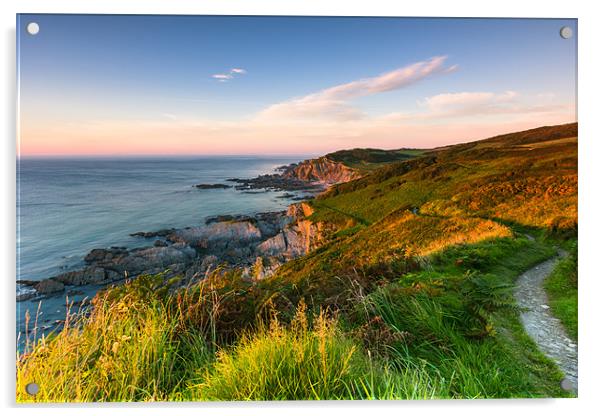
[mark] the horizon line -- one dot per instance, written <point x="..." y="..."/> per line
<point x="158" y="155"/>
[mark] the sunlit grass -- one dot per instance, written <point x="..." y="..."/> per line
<point x="128" y="349"/>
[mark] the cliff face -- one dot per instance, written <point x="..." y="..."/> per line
<point x="321" y="170"/>
<point x="297" y="238"/>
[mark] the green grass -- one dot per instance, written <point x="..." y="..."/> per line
<point x="279" y="363"/>
<point x="532" y="184"/>
<point x="460" y="321"/>
<point x="366" y="160"/>
<point x="131" y="348"/>
<point x="561" y="287"/>
<point x="316" y="362"/>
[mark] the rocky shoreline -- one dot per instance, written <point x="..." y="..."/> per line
<point x="312" y="175"/>
<point x="258" y="244"/>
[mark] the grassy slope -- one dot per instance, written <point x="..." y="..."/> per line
<point x="367" y="160"/>
<point x="408" y="298"/>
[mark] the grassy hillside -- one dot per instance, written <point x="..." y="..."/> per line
<point x="369" y="159"/>
<point x="410" y="295"/>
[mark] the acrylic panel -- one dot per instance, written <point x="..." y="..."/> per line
<point x="231" y="208"/>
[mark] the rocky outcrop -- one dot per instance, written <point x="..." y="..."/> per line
<point x="104" y="266"/>
<point x="321" y="170"/>
<point x="297" y="238"/>
<point x="49" y="286"/>
<point x="256" y="244"/>
<point x="218" y="235"/>
<point x="212" y="186"/>
<point x="276" y="182"/>
<point x="88" y="276"/>
<point x="299" y="211"/>
<point x="312" y="175"/>
<point x="119" y="264"/>
<point x="151" y="234"/>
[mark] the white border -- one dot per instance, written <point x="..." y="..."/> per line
<point x="589" y="197"/>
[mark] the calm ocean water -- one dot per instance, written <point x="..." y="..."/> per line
<point x="66" y="207"/>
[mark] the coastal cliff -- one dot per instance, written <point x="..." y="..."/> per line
<point x="321" y="170"/>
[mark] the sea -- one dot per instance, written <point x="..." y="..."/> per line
<point x="66" y="207"/>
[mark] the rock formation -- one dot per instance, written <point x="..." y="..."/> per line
<point x="321" y="170"/>
<point x="256" y="244"/>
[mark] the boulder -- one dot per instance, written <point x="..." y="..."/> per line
<point x="87" y="276"/>
<point x="48" y="286"/>
<point x="102" y="255"/>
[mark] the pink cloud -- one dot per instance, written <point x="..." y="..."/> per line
<point x="442" y="102"/>
<point x="334" y="103"/>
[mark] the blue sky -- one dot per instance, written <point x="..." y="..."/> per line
<point x="128" y="75"/>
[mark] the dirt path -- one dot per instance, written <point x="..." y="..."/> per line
<point x="546" y="330"/>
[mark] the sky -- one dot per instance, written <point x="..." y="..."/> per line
<point x="102" y="85"/>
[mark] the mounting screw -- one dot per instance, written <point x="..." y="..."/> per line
<point x="566" y="32"/>
<point x="32" y="389"/>
<point x="33" y="28"/>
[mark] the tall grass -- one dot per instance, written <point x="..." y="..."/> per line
<point x="460" y="326"/>
<point x="277" y="363"/>
<point x="308" y="361"/>
<point x="128" y="349"/>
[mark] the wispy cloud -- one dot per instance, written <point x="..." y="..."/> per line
<point x="224" y="77"/>
<point x="468" y="100"/>
<point x="221" y="77"/>
<point x="334" y="102"/>
<point x="470" y="104"/>
<point x="170" y="116"/>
